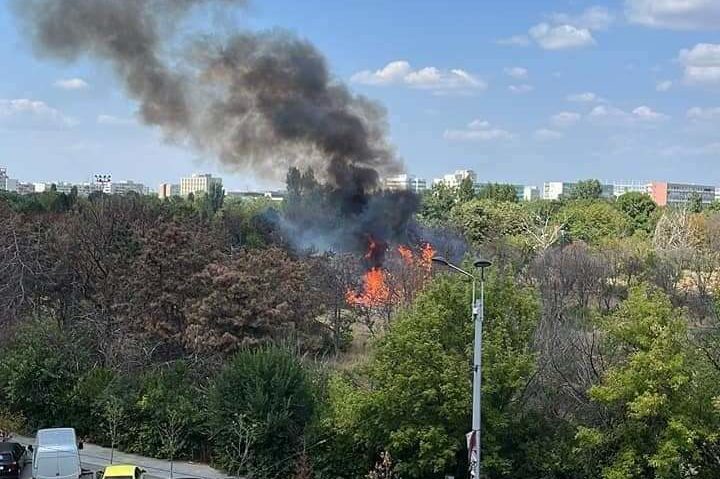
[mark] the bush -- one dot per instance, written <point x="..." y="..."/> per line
<point x="259" y="406"/>
<point x="38" y="370"/>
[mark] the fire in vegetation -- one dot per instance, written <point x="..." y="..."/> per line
<point x="384" y="283"/>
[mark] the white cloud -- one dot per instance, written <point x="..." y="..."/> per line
<point x="565" y="118"/>
<point x="586" y="97"/>
<point x="593" y="18"/>
<point x="477" y="135"/>
<point x="519" y="73"/>
<point x="611" y="112"/>
<point x="675" y="14"/>
<point x="616" y="116"/>
<point x="520" y="89"/>
<point x="664" y="85"/>
<point x="478" y="130"/>
<point x="391" y="73"/>
<point x="544" y="134"/>
<point x="702" y="64"/>
<point x="71" y="84"/>
<point x="645" y="113"/>
<point x="515" y="41"/>
<point x="479" y="124"/>
<point x="114" y="120"/>
<point x="561" y="37"/>
<point x="428" y="78"/>
<point x="703" y="114"/>
<point x="31" y="114"/>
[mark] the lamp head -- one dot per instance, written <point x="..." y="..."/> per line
<point x="482" y="263"/>
<point x="440" y="259"/>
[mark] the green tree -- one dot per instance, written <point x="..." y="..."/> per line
<point x="437" y="203"/>
<point x="640" y="208"/>
<point x="413" y="399"/>
<point x="38" y="370"/>
<point x="259" y="406"/>
<point x="480" y="220"/>
<point x="661" y="395"/>
<point x="498" y="192"/>
<point x="594" y="221"/>
<point x="466" y="190"/>
<point x="586" y="190"/>
<point x="694" y="202"/>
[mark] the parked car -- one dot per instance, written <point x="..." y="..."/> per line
<point x="12" y="459"/>
<point x="125" y="471"/>
<point x="56" y="454"/>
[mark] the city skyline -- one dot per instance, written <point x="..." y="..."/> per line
<point x="518" y="91"/>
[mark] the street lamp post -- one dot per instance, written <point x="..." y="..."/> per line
<point x="478" y="315"/>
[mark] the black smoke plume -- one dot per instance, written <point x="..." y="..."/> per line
<point x="263" y="102"/>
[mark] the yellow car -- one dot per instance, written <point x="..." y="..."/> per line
<point x="123" y="472"/>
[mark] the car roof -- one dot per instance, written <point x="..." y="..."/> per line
<point x="120" y="470"/>
<point x="8" y="446"/>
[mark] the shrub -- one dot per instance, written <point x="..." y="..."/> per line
<point x="259" y="406"/>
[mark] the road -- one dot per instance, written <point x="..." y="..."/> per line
<point x="95" y="458"/>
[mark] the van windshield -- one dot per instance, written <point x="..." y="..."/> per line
<point x="56" y="437"/>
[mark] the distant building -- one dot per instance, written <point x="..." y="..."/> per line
<point x="454" y="179"/>
<point x="129" y="186"/>
<point x="198" y="184"/>
<point x="405" y="182"/>
<point x="7" y="183"/>
<point x="675" y="194"/>
<point x="167" y="190"/>
<point x="25" y="188"/>
<point x="531" y="193"/>
<point x="554" y="190"/>
<point x="622" y="187"/>
<point x="278" y="195"/>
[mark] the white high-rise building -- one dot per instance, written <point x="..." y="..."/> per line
<point x="554" y="190"/>
<point x="198" y="183"/>
<point x="531" y="193"/>
<point x="454" y="179"/>
<point x="405" y="182"/>
<point x="166" y="190"/>
<point x="7" y="183"/>
<point x="622" y="187"/>
<point x="129" y="186"/>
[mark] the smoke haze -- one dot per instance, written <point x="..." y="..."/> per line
<point x="255" y="101"/>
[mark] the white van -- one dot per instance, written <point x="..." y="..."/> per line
<point x="56" y="454"/>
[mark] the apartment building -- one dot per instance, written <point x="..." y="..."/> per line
<point x="198" y="183"/>
<point x="405" y="182"/>
<point x="454" y="179"/>
<point x="674" y="194"/>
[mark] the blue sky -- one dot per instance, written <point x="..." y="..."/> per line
<point x="518" y="90"/>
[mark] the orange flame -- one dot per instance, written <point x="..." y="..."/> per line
<point x="406" y="254"/>
<point x="376" y="291"/>
<point x="427" y="252"/>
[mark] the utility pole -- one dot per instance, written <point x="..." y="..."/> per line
<point x="478" y="316"/>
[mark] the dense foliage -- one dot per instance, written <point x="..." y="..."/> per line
<point x="190" y="328"/>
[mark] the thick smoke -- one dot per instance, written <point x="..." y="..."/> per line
<point x="256" y="101"/>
